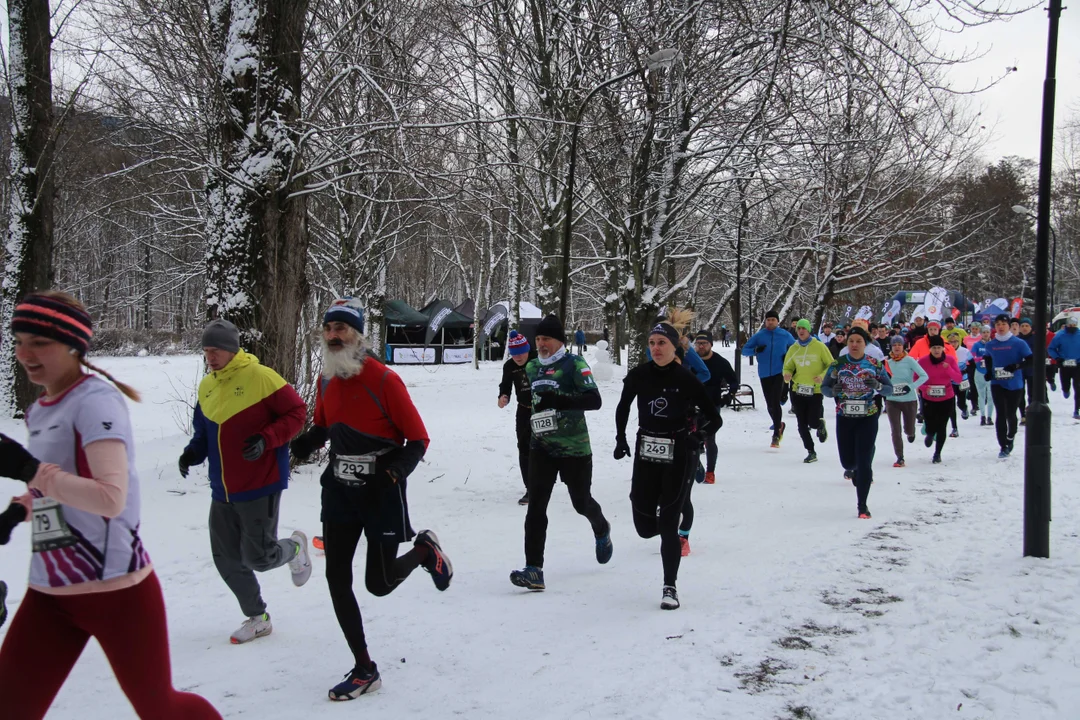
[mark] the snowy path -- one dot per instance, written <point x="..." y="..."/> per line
<point x="792" y="608"/>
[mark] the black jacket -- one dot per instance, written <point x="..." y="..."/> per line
<point x="513" y="376"/>
<point x="666" y="398"/>
<point x="721" y="377"/>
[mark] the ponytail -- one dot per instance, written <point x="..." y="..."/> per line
<point x="122" y="387"/>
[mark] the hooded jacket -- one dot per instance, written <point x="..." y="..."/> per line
<point x="243" y="399"/>
<point x="1065" y="345"/>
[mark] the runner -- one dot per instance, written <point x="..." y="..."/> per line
<point x="984" y="402"/>
<point x="1065" y="349"/>
<point x="963" y="361"/>
<point x="917" y="331"/>
<point x="1051" y="363"/>
<point x="770" y="344"/>
<point x="826" y="334"/>
<point x="1028" y="337"/>
<point x="664" y="462"/>
<point x="805" y="364"/>
<point x="90" y="575"/>
<point x="563" y="389"/>
<point x="513" y="376"/>
<point x="838" y="343"/>
<point x="854" y="381"/>
<point x="721" y="378"/>
<point x="1005" y="359"/>
<point x="244" y="418"/>
<point x="872" y="348"/>
<point x="939" y="399"/>
<point x="376" y="441"/>
<point x="907" y="377"/>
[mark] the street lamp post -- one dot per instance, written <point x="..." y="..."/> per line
<point x="1037" y="435"/>
<point x="1022" y="210"/>
<point x="653" y="61"/>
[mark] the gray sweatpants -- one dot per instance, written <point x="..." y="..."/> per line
<point x="901" y="413"/>
<point x="243" y="541"/>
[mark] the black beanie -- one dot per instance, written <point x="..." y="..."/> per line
<point x="861" y="333"/>
<point x="704" y="335"/>
<point x="772" y="314"/>
<point x="668" y="331"/>
<point x="937" y="341"/>
<point x="551" y="327"/>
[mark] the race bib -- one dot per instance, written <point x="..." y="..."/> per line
<point x="658" y="450"/>
<point x="935" y="391"/>
<point x="347" y="467"/>
<point x="1002" y="374"/>
<point x="544" y="422"/>
<point x="50" y="530"/>
<point x="901" y="389"/>
<point x="1069" y="363"/>
<point x="804" y="389"/>
<point x="854" y="408"/>
<point x="965" y="384"/>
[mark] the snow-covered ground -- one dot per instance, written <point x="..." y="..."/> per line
<point x="792" y="607"/>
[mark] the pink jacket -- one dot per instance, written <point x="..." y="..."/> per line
<point x="942" y="374"/>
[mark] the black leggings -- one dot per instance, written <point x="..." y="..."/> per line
<point x="687" y="522"/>
<point x="385" y="571"/>
<point x="576" y="473"/>
<point x="663" y="487"/>
<point x="1006" y="403"/>
<point x="1071" y="376"/>
<point x="808" y="412"/>
<point x="936" y="414"/>
<point x="772" y="389"/>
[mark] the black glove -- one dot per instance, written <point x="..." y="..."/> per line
<point x="15" y="461"/>
<point x="759" y="348"/>
<point x="187" y="459"/>
<point x="304" y="444"/>
<point x="873" y="383"/>
<point x="254" y="447"/>
<point x="622" y="448"/>
<point x="546" y="401"/>
<point x="9" y="519"/>
<point x="1012" y="367"/>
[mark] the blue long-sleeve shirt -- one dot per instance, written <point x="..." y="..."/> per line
<point x="1008" y="352"/>
<point x="1065" y="345"/>
<point x="775" y="344"/>
<point x="693" y="363"/>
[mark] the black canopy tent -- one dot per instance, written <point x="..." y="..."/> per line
<point x="453" y="339"/>
<point x="404" y="327"/>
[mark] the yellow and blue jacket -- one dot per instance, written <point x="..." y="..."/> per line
<point x="241" y="400"/>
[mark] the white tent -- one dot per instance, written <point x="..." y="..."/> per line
<point x="528" y="310"/>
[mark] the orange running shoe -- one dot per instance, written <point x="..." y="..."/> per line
<point x="710" y="478"/>
<point x="684" y="543"/>
<point x="318" y="542"/>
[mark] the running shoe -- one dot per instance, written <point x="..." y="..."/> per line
<point x="849" y="474"/>
<point x="671" y="598"/>
<point x="356" y="683"/>
<point x="710" y="478"/>
<point x="437" y="564"/>
<point x="899" y="462"/>
<point x="254" y="627"/>
<point x="911" y="438"/>
<point x="928" y="440"/>
<point x="783" y="426"/>
<point x="1053" y="386"/>
<point x="604" y="548"/>
<point x="1023" y="419"/>
<point x="684" y="545"/>
<point x="954" y="433"/>
<point x="1065" y="392"/>
<point x="530" y="578"/>
<point x="3" y="602"/>
<point x="1004" y="453"/>
<point x="918" y="418"/>
<point x="963" y="414"/>
<point x="936" y="459"/>
<point x="822" y="432"/>
<point x="524" y="499"/>
<point x="1076" y="415"/>
<point x="811" y="458"/>
<point x="775" y="441"/>
<point x="864" y="512"/>
<point x="300" y="565"/>
<point x="317" y="543"/>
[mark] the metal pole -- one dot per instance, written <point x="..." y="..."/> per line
<point x="1037" y="435"/>
<point x="737" y="320"/>
<point x="1053" y="278"/>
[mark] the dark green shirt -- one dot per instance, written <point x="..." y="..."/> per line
<point x="569" y="376"/>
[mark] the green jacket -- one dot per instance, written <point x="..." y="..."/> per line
<point x="806" y="362"/>
<point x="571" y="378"/>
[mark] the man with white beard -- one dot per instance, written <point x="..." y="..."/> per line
<point x="376" y="440"/>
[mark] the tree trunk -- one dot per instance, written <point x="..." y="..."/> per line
<point x="29" y="247"/>
<point x="257" y="234"/>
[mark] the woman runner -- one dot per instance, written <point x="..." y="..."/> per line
<point x="982" y="381"/>
<point x="664" y="462"/>
<point x="89" y="575"/>
<point x="855" y="380"/>
<point x="939" y="401"/>
<point x="901" y="406"/>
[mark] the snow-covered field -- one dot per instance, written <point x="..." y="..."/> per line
<point x="792" y="607"/>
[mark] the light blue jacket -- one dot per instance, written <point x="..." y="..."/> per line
<point x="771" y="358"/>
<point x="906" y="372"/>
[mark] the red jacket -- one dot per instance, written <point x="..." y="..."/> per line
<point x="352" y="402"/>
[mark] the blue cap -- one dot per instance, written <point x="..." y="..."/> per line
<point x="348" y="310"/>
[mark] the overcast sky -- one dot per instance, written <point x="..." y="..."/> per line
<point x="1012" y="110"/>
